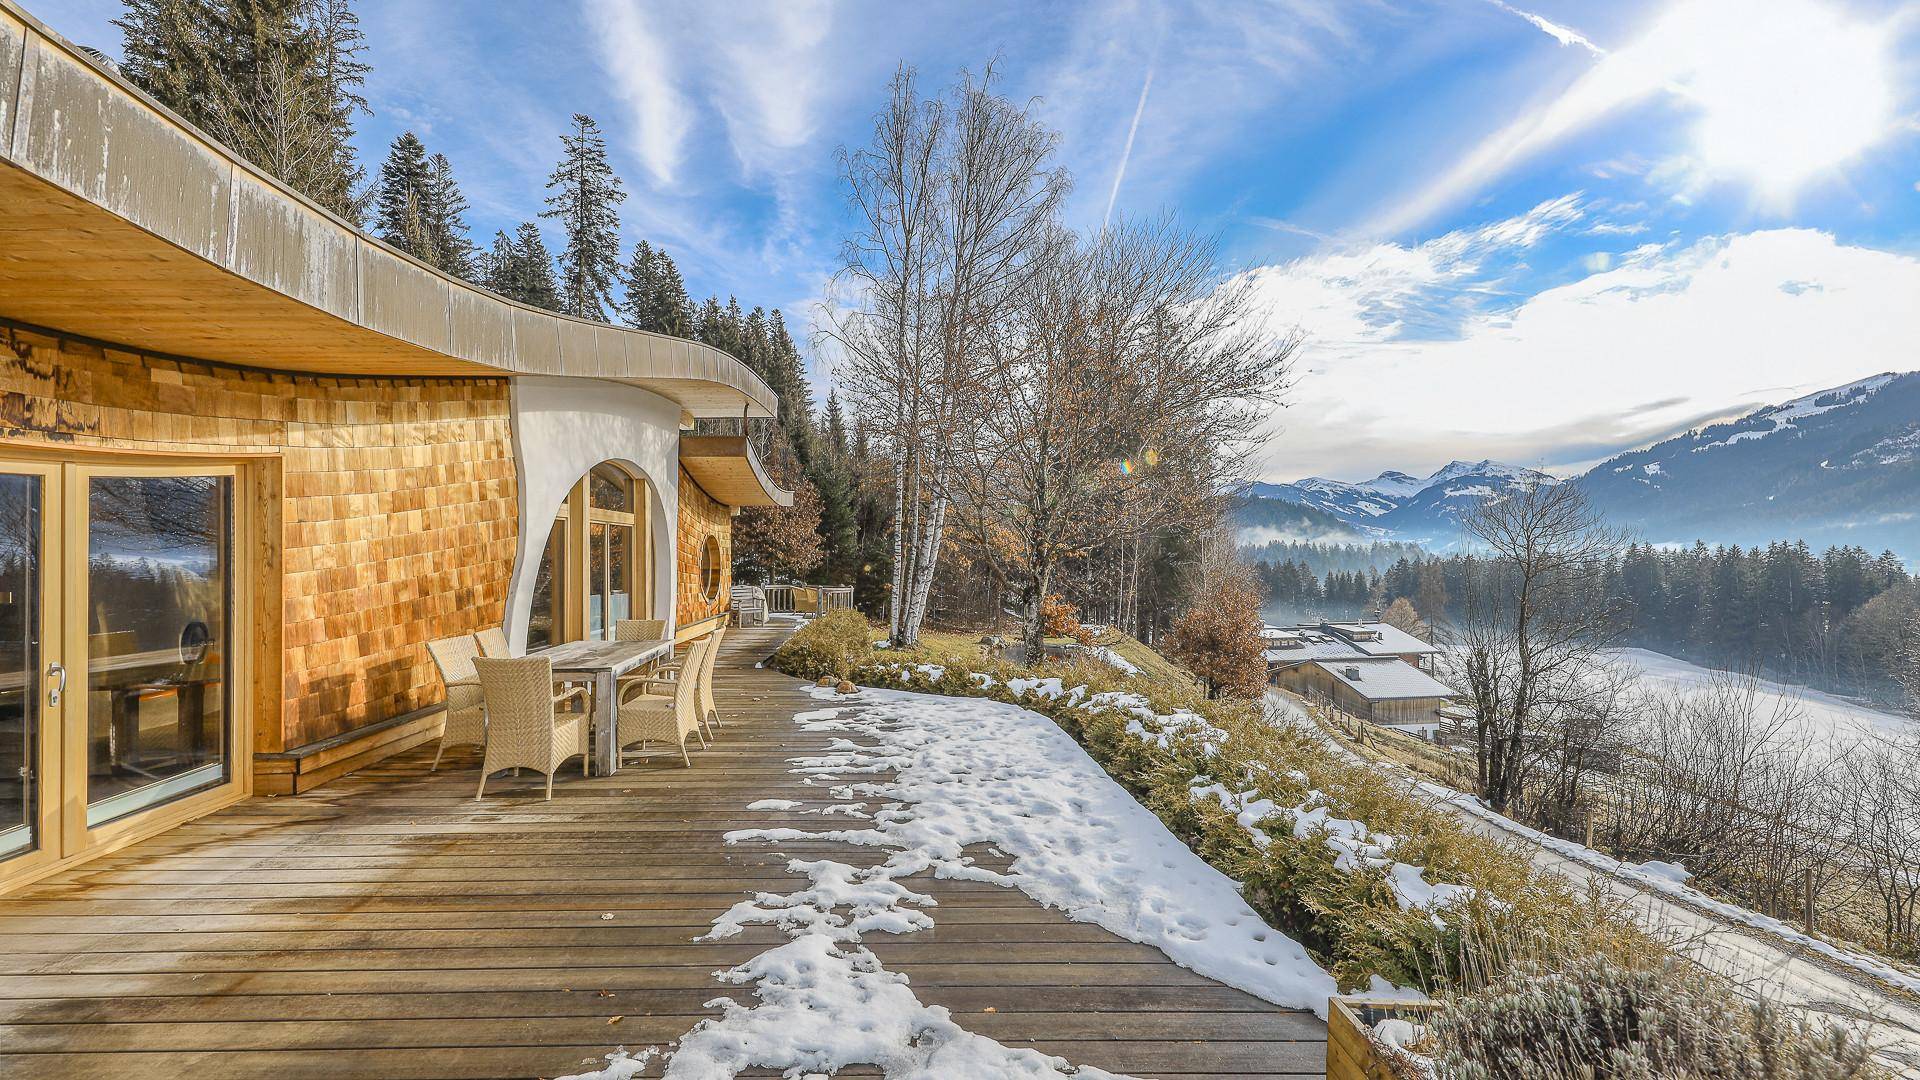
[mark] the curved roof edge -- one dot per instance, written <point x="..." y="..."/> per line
<point x="126" y="217"/>
<point x="728" y="468"/>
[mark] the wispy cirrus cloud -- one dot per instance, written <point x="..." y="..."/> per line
<point x="641" y="62"/>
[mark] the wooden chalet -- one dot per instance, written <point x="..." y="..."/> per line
<point x="253" y="459"/>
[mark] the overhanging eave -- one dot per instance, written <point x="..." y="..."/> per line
<point x="121" y="222"/>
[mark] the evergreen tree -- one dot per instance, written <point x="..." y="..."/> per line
<point x="400" y="214"/>
<point x="656" y="298"/>
<point x="834" y="479"/>
<point x="278" y="81"/>
<point x="519" y="268"/>
<point x="673" y="310"/>
<point x="710" y="327"/>
<point x="643" y="284"/>
<point x="446" y="220"/>
<point x="586" y="198"/>
<point x="534" y="282"/>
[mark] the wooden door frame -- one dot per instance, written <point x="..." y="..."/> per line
<point x="254" y="634"/>
<point x="49" y="738"/>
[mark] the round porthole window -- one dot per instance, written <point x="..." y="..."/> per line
<point x="710" y="568"/>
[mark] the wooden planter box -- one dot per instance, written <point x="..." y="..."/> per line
<point x="1351" y="1054"/>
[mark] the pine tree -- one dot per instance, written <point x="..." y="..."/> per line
<point x="400" y="198"/>
<point x="495" y="265"/>
<point x="642" y="278"/>
<point x="586" y="196"/>
<point x="533" y="270"/>
<point x="446" y="219"/>
<point x="519" y="268"/>
<point x="711" y="327"/>
<point x="835" y="481"/>
<point x="673" y="309"/>
<point x="278" y="81"/>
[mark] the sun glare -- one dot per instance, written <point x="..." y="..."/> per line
<point x="1786" y="89"/>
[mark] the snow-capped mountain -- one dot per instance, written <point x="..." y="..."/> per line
<point x="1841" y="466"/>
<point x="1395" y="505"/>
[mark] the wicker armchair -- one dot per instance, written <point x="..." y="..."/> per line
<point x="466" y="723"/>
<point x="673" y="718"/>
<point x="493" y="642"/>
<point x="523" y="730"/>
<point x="639" y="629"/>
<point x="671" y="672"/>
<point x="707" y="709"/>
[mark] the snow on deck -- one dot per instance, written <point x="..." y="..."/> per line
<point x="943" y="775"/>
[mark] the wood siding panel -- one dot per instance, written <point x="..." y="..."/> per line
<point x="396" y="514"/>
<point x="701" y="516"/>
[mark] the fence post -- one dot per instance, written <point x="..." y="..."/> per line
<point x="1589" y="827"/>
<point x="1807" y="878"/>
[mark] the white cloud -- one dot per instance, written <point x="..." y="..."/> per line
<point x="1377" y="293"/>
<point x="1668" y="335"/>
<point x="1554" y="30"/>
<point x="633" y="53"/>
<point x="772" y="78"/>
<point x="1773" y="99"/>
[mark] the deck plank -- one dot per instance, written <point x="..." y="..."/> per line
<point x="387" y="925"/>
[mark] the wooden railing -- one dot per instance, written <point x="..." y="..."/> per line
<point x="807" y="599"/>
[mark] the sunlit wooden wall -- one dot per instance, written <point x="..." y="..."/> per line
<point x="395" y="513"/>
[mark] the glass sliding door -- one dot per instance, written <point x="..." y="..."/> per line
<point x="610" y="549"/>
<point x="158" y="614"/>
<point x="22" y="531"/>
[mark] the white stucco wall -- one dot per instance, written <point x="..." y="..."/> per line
<point x="561" y="429"/>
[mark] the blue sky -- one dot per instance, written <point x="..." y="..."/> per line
<point x="1540" y="232"/>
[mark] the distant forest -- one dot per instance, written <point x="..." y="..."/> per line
<point x="1833" y="620"/>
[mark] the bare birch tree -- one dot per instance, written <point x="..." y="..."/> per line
<point x="953" y="197"/>
<point x="1532" y="643"/>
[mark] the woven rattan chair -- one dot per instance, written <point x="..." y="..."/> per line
<point x="708" y="713"/>
<point x="493" y="642"/>
<point x="466" y="723"/>
<point x="669" y="718"/>
<point x="668" y="673"/>
<point x="523" y="730"/>
<point x="639" y="629"/>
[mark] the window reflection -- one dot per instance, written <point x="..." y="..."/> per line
<point x="19" y="661"/>
<point x="158" y="600"/>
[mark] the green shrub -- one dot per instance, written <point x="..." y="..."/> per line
<point x="828" y="646"/>
<point x="1597" y="1020"/>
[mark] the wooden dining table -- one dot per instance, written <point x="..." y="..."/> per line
<point x="601" y="664"/>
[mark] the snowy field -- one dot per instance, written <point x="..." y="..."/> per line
<point x="923" y="779"/>
<point x="1819" y="716"/>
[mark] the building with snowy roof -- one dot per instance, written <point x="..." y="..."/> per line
<point x="1370" y="670"/>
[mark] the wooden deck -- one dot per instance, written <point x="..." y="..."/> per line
<point x="388" y="926"/>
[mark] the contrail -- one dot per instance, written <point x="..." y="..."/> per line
<point x="1121" y="172"/>
<point x="1559" y="33"/>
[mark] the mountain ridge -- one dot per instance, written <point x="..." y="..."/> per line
<point x="1838" y="466"/>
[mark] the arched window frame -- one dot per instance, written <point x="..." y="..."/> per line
<point x="583" y="530"/>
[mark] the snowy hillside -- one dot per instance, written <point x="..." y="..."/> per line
<point x="1841" y="466"/>
<point x="1816" y="717"/>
